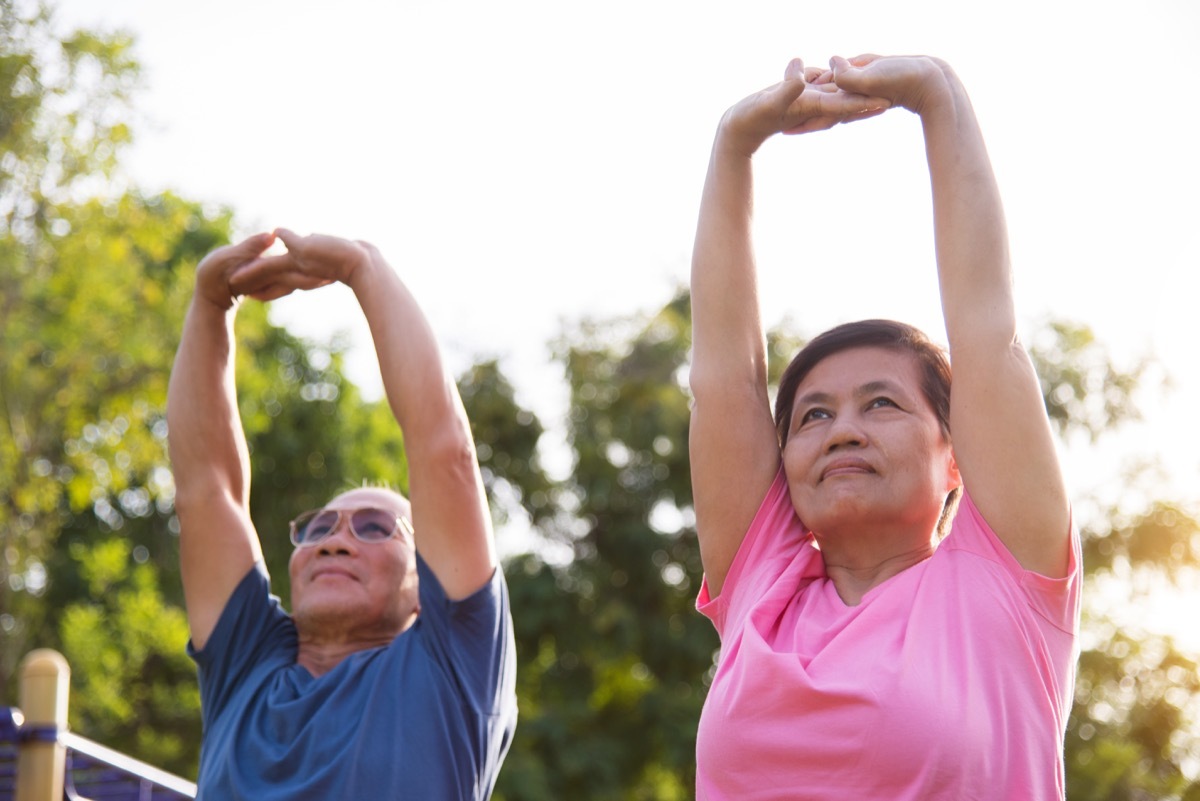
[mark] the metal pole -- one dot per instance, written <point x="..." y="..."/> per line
<point x="45" y="684"/>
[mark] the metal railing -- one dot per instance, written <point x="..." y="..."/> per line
<point x="41" y="761"/>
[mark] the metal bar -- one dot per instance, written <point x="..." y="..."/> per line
<point x="127" y="764"/>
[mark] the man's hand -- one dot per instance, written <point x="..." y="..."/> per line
<point x="310" y="262"/>
<point x="911" y="82"/>
<point x="214" y="272"/>
<point x="807" y="99"/>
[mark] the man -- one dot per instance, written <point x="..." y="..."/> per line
<point x="394" y="675"/>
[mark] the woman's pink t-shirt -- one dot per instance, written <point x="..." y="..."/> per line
<point x="950" y="680"/>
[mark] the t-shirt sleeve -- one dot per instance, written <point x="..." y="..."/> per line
<point x="1056" y="600"/>
<point x="252" y="633"/>
<point x="472" y="638"/>
<point x="771" y="544"/>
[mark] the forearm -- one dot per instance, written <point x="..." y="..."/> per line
<point x="419" y="389"/>
<point x="727" y="333"/>
<point x="450" y="515"/>
<point x="207" y="445"/>
<point x="970" y="234"/>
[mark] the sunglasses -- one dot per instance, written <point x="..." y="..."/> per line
<point x="367" y="525"/>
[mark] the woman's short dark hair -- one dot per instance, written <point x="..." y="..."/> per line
<point x="931" y="359"/>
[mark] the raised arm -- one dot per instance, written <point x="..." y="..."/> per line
<point x="209" y="458"/>
<point x="1002" y="438"/>
<point x="734" y="451"/>
<point x="452" y="525"/>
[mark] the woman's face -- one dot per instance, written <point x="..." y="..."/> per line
<point x="865" y="449"/>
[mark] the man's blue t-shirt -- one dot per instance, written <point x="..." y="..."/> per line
<point x="428" y="717"/>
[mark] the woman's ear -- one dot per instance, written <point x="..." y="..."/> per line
<point x="953" y="476"/>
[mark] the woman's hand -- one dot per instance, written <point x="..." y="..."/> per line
<point x="807" y="99"/>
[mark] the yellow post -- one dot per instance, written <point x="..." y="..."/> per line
<point x="45" y="682"/>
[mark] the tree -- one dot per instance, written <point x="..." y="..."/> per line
<point x="64" y="117"/>
<point x="611" y="652"/>
<point x="60" y="102"/>
<point x="83" y="382"/>
<point x="1132" y="729"/>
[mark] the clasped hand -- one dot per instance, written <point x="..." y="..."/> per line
<point x="814" y="98"/>
<point x="310" y="262"/>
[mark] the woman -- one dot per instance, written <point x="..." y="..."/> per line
<point x="864" y="654"/>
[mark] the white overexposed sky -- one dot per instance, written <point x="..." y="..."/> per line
<point x="525" y="163"/>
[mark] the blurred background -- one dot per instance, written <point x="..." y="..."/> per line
<point x="533" y="171"/>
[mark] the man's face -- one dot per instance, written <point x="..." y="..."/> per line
<point x="348" y="589"/>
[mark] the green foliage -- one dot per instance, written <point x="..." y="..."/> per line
<point x="133" y="684"/>
<point x="62" y="110"/>
<point x="86" y="521"/>
<point x="65" y="114"/>
<point x="1128" y="729"/>
<point x="609" y="708"/>
<point x="1162" y="541"/>
<point x="1134" y="724"/>
<point x="86" y="355"/>
<point x="506" y="439"/>
<point x="1133" y="727"/>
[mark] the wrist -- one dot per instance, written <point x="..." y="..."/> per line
<point x="216" y="305"/>
<point x="213" y="320"/>
<point x="736" y="138"/>
<point x="937" y="88"/>
<point x="361" y="269"/>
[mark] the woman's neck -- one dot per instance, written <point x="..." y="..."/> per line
<point x="857" y="566"/>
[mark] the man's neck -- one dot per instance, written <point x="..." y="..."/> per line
<point x="318" y="658"/>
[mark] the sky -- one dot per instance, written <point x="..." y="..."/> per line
<point x="527" y="164"/>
